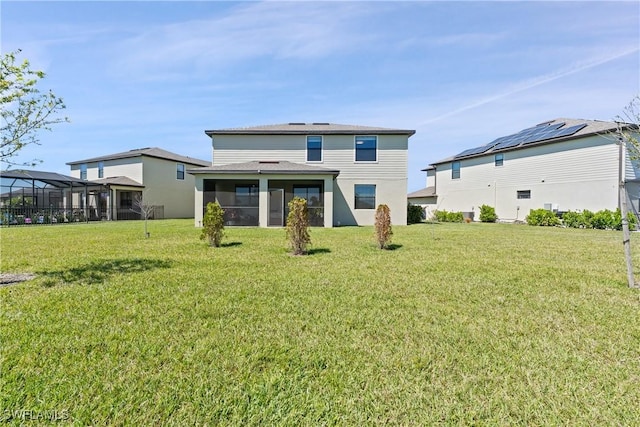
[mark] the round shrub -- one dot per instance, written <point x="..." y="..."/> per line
<point x="488" y="214"/>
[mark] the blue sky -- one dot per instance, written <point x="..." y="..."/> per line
<point x="143" y="74"/>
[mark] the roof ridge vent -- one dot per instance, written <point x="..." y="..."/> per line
<point x="297" y="124"/>
<point x="268" y="162"/>
<point x="321" y="123"/>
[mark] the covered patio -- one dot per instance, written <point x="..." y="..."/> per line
<point x="37" y="197"/>
<point x="257" y="193"/>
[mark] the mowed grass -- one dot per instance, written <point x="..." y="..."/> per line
<point x="462" y="324"/>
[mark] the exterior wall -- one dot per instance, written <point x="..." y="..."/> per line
<point x="163" y="188"/>
<point x="570" y="175"/>
<point x="388" y="173"/>
<point x="130" y="167"/>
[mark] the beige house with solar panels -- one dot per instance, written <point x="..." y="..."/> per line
<point x="560" y="165"/>
<point x="343" y="171"/>
<point x="159" y="176"/>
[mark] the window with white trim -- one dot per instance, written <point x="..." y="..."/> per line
<point x="366" y="148"/>
<point x="365" y="196"/>
<point x="455" y="170"/>
<point x="314" y="148"/>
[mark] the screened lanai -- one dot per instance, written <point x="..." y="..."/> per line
<point x="36" y="197"/>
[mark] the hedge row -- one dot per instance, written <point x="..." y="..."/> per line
<point x="601" y="220"/>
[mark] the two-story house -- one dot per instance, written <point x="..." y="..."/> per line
<point x="156" y="175"/>
<point x="559" y="165"/>
<point x="343" y="171"/>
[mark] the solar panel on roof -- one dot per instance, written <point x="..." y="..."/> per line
<point x="541" y="132"/>
<point x="469" y="152"/>
<point x="476" y="150"/>
<point x="570" y="130"/>
<point x="507" y="144"/>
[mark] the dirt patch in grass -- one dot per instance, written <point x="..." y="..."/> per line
<point x="13" y="278"/>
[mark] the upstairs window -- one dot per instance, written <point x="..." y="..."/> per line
<point x="366" y="148"/>
<point x="455" y="170"/>
<point x="83" y="171"/>
<point x="100" y="169"/>
<point x="314" y="148"/>
<point x="499" y="159"/>
<point x="180" y="171"/>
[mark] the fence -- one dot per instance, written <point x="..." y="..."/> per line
<point x="26" y="215"/>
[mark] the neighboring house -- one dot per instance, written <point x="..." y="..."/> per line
<point x="343" y="171"/>
<point x="157" y="175"/>
<point x="426" y="197"/>
<point x="559" y="165"/>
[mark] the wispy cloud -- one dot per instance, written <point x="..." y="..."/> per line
<point x="275" y="30"/>
<point x="537" y="81"/>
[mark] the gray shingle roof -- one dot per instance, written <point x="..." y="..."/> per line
<point x="308" y="129"/>
<point x="119" y="180"/>
<point x="265" y="167"/>
<point x="425" y="192"/>
<point x="592" y="127"/>
<point x="150" y="152"/>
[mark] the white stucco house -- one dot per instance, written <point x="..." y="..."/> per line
<point x="159" y="176"/>
<point x="343" y="171"/>
<point x="560" y="165"/>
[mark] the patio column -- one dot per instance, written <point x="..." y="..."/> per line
<point x="328" y="202"/>
<point x="263" y="202"/>
<point x="199" y="200"/>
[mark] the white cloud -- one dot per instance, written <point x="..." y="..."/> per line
<point x="280" y="30"/>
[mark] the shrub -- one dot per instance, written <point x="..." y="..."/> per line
<point x="617" y="220"/>
<point x="587" y="215"/>
<point x="298" y="226"/>
<point x="488" y="214"/>
<point x="575" y="220"/>
<point x="444" y="216"/>
<point x="542" y="217"/>
<point x="213" y="224"/>
<point x="383" y="226"/>
<point x="415" y="214"/>
<point x="604" y="220"/>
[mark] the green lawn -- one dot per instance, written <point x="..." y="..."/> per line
<point x="482" y="324"/>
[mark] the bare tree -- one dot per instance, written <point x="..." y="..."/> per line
<point x="144" y="209"/>
<point x="627" y="139"/>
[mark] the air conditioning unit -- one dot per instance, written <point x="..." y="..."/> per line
<point x="553" y="207"/>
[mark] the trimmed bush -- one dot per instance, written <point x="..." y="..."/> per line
<point x="542" y="217"/>
<point x="444" y="216"/>
<point x="298" y="226"/>
<point x="415" y="214"/>
<point x="383" y="226"/>
<point x="488" y="214"/>
<point x="575" y="220"/>
<point x="213" y="224"/>
<point x="603" y="220"/>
